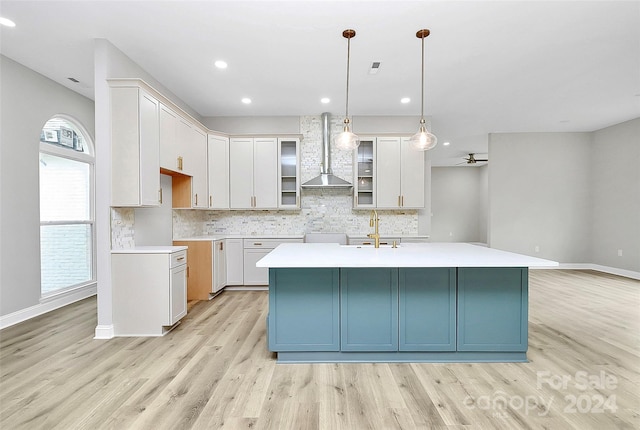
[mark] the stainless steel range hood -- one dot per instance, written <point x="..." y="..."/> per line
<point x="326" y="178"/>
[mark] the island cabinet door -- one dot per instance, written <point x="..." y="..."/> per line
<point x="369" y="309"/>
<point x="304" y="309"/>
<point x="427" y="309"/>
<point x="492" y="309"/>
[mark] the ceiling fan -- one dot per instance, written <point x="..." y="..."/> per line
<point x="471" y="159"/>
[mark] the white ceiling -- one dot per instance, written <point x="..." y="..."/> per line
<point x="499" y="66"/>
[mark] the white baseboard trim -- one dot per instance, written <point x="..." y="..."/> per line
<point x="104" y="332"/>
<point x="47" y="305"/>
<point x="597" y="267"/>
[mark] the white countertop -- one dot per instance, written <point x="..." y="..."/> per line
<point x="149" y="250"/>
<point x="406" y="255"/>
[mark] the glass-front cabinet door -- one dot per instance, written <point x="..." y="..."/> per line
<point x="289" y="173"/>
<point x="363" y="181"/>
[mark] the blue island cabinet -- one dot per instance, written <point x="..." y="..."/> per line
<point x="304" y="309"/>
<point x="493" y="309"/>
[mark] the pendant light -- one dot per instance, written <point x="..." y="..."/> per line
<point x="347" y="140"/>
<point x="423" y="140"/>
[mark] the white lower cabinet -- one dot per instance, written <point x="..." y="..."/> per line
<point x="219" y="266"/>
<point x="254" y="250"/>
<point x="234" y="261"/>
<point x="149" y="287"/>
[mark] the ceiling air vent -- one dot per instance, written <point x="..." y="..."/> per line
<point x="375" y="66"/>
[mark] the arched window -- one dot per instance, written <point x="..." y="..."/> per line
<point x="67" y="250"/>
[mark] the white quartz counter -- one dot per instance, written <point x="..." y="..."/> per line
<point x="407" y="255"/>
<point x="149" y="250"/>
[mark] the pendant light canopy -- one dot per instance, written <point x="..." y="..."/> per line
<point x="423" y="140"/>
<point x="347" y="140"/>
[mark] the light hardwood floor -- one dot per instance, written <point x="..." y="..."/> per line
<point x="214" y="371"/>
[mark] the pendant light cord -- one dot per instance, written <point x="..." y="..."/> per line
<point x="348" y="61"/>
<point x="422" y="95"/>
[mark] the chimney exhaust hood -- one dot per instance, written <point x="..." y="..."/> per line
<point x="326" y="178"/>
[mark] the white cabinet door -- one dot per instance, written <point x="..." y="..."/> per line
<point x="169" y="150"/>
<point x="183" y="140"/>
<point x="234" y="261"/>
<point x="289" y="173"/>
<point x="255" y="275"/>
<point x="265" y="177"/>
<point x="364" y="180"/>
<point x="135" y="148"/>
<point x="219" y="278"/>
<point x="241" y="173"/>
<point x="412" y="176"/>
<point x="178" y="298"/>
<point x="218" y="170"/>
<point x="388" y="193"/>
<point x="197" y="159"/>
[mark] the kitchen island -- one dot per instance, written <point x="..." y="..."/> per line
<point x="432" y="302"/>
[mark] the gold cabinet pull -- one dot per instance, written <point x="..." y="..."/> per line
<point x="257" y="243"/>
<point x="180" y="163"/>
<point x="221" y="246"/>
<point x="196" y="199"/>
<point x="402" y="201"/>
<point x="210" y="201"/>
<point x="160" y="195"/>
<point x="180" y="258"/>
<point x="399" y="202"/>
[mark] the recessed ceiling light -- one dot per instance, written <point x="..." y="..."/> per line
<point x="405" y="100"/>
<point x="7" y="22"/>
<point x="325" y="100"/>
<point x="246" y="100"/>
<point x="446" y="143"/>
<point x="220" y="64"/>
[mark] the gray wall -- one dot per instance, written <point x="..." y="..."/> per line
<point x="458" y="196"/>
<point x="615" y="187"/>
<point x="574" y="195"/>
<point x="28" y="101"/>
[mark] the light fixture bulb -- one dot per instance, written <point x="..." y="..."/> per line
<point x="346" y="140"/>
<point x="423" y="140"/>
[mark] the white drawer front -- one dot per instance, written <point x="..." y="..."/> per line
<point x="267" y="243"/>
<point x="178" y="258"/>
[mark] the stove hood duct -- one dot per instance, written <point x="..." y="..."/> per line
<point x="326" y="178"/>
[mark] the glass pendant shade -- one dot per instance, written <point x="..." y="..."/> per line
<point x="346" y="140"/>
<point x="423" y="140"/>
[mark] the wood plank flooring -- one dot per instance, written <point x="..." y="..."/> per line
<point x="214" y="372"/>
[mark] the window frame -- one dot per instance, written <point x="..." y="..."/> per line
<point x="84" y="157"/>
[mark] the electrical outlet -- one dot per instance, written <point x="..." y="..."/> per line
<point x="537" y="248"/>
<point x="619" y="252"/>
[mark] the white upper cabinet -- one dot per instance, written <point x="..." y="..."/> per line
<point x="170" y="152"/>
<point x="196" y="163"/>
<point x="289" y="173"/>
<point x="218" y="171"/>
<point x="399" y="174"/>
<point x="364" y="180"/>
<point x="135" y="178"/>
<point x="253" y="173"/>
